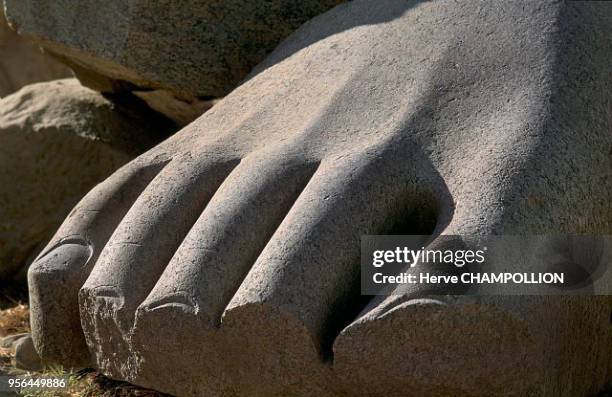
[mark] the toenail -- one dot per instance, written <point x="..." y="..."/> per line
<point x="179" y="300"/>
<point x="69" y="252"/>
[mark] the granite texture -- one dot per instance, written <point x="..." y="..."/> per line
<point x="225" y="261"/>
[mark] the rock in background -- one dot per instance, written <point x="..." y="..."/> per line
<point x="191" y="52"/>
<point x="57" y="140"/>
<point x="22" y="62"/>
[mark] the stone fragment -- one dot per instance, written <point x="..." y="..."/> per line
<point x="26" y="356"/>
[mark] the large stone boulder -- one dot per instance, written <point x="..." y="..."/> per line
<point x="22" y="62"/>
<point x="193" y="50"/>
<point x="57" y="140"/>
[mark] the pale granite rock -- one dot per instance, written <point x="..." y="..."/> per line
<point x="58" y="140"/>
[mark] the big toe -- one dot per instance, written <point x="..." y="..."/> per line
<point x="455" y="346"/>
